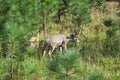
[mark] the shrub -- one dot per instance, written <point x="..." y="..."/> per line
<point x="4" y="68"/>
<point x="28" y="67"/>
<point x="109" y="22"/>
<point x="96" y="2"/>
<point x="66" y="65"/>
<point x="118" y="14"/>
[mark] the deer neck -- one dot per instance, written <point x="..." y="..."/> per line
<point x="69" y="39"/>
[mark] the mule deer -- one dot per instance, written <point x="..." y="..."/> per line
<point x="58" y="40"/>
<point x="34" y="40"/>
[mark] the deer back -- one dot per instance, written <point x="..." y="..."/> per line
<point x="56" y="39"/>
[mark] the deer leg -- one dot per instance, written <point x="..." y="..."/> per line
<point x="51" y="51"/>
<point x="45" y="51"/>
<point x="65" y="47"/>
<point x="61" y="49"/>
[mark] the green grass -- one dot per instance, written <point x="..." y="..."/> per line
<point x="99" y="53"/>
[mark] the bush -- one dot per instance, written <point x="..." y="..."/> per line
<point x="109" y="22"/>
<point x="118" y="14"/>
<point x="96" y="2"/>
<point x="66" y="65"/>
<point x="4" y="68"/>
<point x="28" y="68"/>
<point x="111" y="45"/>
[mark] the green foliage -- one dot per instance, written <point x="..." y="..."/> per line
<point x="109" y="22"/>
<point x="80" y="12"/>
<point x="118" y="14"/>
<point x="29" y="66"/>
<point x="100" y="46"/>
<point x="17" y="33"/>
<point x="111" y="44"/>
<point x="96" y="3"/>
<point x="66" y="65"/>
<point x="4" y="68"/>
<point x="48" y="9"/>
<point x="31" y="51"/>
<point x="95" y="74"/>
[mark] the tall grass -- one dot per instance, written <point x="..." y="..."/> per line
<point x="98" y="59"/>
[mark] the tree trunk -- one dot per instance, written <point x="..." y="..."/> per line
<point x="67" y="74"/>
<point x="11" y="64"/>
<point x="61" y="10"/>
<point x="44" y="24"/>
<point x="59" y="15"/>
<point x="11" y="69"/>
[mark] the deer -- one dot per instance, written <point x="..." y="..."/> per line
<point x="58" y="40"/>
<point x="34" y="40"/>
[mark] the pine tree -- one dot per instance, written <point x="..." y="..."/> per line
<point x="65" y="65"/>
